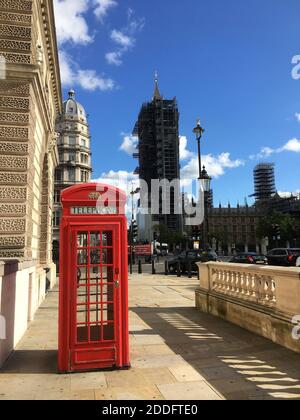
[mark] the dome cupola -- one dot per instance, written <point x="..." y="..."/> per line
<point x="73" y="109"/>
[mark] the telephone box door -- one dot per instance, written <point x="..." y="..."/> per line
<point x="95" y="297"/>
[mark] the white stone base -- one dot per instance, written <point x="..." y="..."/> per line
<point x="22" y="290"/>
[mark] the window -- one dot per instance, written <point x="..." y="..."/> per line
<point x="83" y="142"/>
<point x="84" y="158"/>
<point x="56" y="218"/>
<point x="72" y="175"/>
<point x="58" y="175"/>
<point x="84" y="176"/>
<point x="72" y="141"/>
<point x="57" y="196"/>
<point x="72" y="157"/>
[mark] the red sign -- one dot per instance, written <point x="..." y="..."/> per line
<point x="142" y="250"/>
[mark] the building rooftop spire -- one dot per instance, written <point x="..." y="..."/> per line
<point x="157" y="94"/>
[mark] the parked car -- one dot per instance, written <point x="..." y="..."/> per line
<point x="249" y="258"/>
<point x="289" y="257"/>
<point x="192" y="257"/>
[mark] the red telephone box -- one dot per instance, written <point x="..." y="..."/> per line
<point x="93" y="304"/>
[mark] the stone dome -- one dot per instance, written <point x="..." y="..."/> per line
<point x="72" y="108"/>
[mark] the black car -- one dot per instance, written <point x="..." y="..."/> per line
<point x="288" y="257"/>
<point x="249" y="258"/>
<point x="192" y="257"/>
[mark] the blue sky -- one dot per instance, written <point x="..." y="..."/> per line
<point x="227" y="62"/>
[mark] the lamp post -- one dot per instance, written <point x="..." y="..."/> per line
<point x="204" y="178"/>
<point x="198" y="131"/>
<point x="133" y="192"/>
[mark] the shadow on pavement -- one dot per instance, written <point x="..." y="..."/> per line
<point x="236" y="363"/>
<point x="31" y="362"/>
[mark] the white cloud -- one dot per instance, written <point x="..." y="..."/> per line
<point x="114" y="58"/>
<point x="183" y="151"/>
<point x="72" y="75"/>
<point x="70" y="22"/>
<point x="129" y="144"/>
<point x="286" y="194"/>
<point x="292" y="145"/>
<point x="103" y="6"/>
<point x="66" y="68"/>
<point x="122" y="39"/>
<point x="125" y="39"/>
<point x="215" y="166"/>
<point x="297" y="115"/>
<point x="90" y="80"/>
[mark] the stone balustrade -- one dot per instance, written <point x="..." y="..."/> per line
<point x="262" y="299"/>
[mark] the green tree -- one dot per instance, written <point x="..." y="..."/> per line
<point x="289" y="227"/>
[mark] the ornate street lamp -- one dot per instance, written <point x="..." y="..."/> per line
<point x="205" y="180"/>
<point x="198" y="131"/>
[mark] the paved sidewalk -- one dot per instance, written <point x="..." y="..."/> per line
<point x="176" y="353"/>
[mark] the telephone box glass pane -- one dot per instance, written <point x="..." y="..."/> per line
<point x="107" y="256"/>
<point x="95" y="274"/>
<point x="82" y="276"/>
<point x="82" y="257"/>
<point x="107" y="274"/>
<point x="107" y="239"/>
<point x="95" y="239"/>
<point x="82" y="334"/>
<point x="95" y="294"/>
<point x="95" y="332"/>
<point x="95" y="256"/>
<point x="82" y="239"/>
<point x="108" y="332"/>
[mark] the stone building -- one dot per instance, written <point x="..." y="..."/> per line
<point x="235" y="229"/>
<point x="74" y="148"/>
<point x="30" y="99"/>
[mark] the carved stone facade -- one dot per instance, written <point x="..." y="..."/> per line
<point x="29" y="102"/>
<point x="30" y="99"/>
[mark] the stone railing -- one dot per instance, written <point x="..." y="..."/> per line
<point x="246" y="285"/>
<point x="263" y="299"/>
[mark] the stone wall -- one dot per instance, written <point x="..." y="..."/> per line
<point x="30" y="99"/>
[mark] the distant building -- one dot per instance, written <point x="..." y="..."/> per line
<point x="234" y="229"/>
<point x="74" y="151"/>
<point x="267" y="198"/>
<point x="264" y="181"/>
<point x="158" y="155"/>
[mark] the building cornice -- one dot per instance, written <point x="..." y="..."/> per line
<point x="52" y="47"/>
